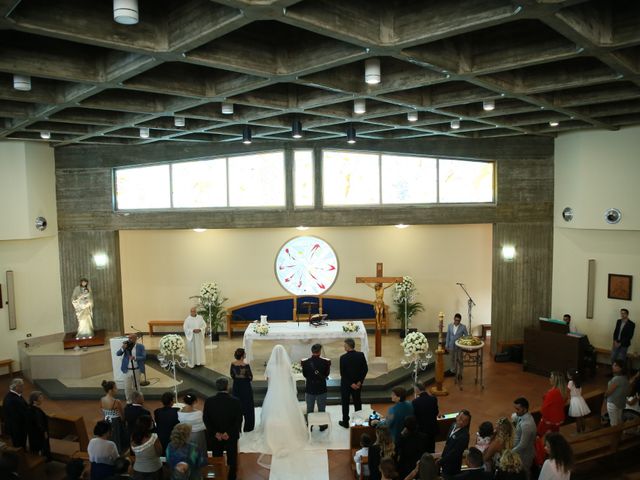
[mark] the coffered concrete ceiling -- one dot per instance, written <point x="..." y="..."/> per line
<point x="97" y="82"/>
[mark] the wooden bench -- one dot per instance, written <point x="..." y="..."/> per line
<point x="68" y="435"/>
<point x="30" y="465"/>
<point x="9" y="364"/>
<point x="607" y="351"/>
<point x="164" y="323"/>
<point x="605" y="442"/>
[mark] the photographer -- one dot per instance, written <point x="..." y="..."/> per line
<point x="133" y="355"/>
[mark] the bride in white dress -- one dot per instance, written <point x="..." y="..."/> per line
<point x="282" y="424"/>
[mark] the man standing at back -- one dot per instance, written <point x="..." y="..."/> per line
<point x="622" y="336"/>
<point x="425" y="409"/>
<point x="315" y="370"/>
<point x="16" y="414"/>
<point x="222" y="416"/>
<point x="524" y="443"/>
<point x="353" y="370"/>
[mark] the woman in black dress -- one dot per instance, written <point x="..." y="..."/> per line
<point x="38" y="427"/>
<point x="241" y="373"/>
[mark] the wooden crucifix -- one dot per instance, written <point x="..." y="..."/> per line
<point x="377" y="283"/>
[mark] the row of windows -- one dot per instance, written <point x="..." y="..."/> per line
<point x="348" y="178"/>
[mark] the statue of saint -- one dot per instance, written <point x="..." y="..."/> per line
<point x="82" y="301"/>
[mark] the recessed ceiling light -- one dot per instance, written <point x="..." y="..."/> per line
<point x="144" y="132"/>
<point x="179" y="121"/>
<point x="46" y="134"/>
<point x="227" y="108"/>
<point x="199" y="230"/>
<point x="359" y="106"/>
<point x="22" y="82"/>
<point x="455" y="124"/>
<point x="488" y="105"/>
<point x="412" y="116"/>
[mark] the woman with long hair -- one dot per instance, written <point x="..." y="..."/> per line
<point x="552" y="411"/>
<point x="242" y="376"/>
<point x="184" y="458"/>
<point x="113" y="412"/>
<point x="147" y="448"/>
<point x="382" y="447"/>
<point x="558" y="465"/>
<point x="426" y="469"/>
<point x="510" y="467"/>
<point x="501" y="440"/>
<point x="192" y="416"/>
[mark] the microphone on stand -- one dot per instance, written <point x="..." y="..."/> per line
<point x="145" y="382"/>
<point x="458" y="283"/>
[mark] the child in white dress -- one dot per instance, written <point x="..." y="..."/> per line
<point x="578" y="408"/>
<point x="483" y="436"/>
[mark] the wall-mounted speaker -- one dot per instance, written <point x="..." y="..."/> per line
<point x="11" y="300"/>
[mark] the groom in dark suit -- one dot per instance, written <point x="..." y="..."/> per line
<point x="353" y="369"/>
<point x="457" y="442"/>
<point x="222" y="416"/>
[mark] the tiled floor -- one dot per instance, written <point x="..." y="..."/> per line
<point x="503" y="383"/>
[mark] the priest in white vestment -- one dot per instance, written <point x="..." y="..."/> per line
<point x="194" y="328"/>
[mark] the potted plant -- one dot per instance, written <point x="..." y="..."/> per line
<point x="404" y="298"/>
<point x="210" y="307"/>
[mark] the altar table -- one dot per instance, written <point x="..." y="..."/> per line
<point x="292" y="331"/>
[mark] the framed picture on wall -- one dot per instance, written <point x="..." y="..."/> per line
<point x="620" y="286"/>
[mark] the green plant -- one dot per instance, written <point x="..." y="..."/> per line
<point x="211" y="305"/>
<point x="406" y="290"/>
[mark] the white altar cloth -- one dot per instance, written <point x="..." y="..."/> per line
<point x="305" y="333"/>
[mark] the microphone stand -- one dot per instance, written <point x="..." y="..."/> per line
<point x="470" y="305"/>
<point x="133" y="371"/>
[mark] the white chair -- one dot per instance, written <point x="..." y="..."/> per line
<point x="318" y="418"/>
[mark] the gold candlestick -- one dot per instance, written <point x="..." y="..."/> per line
<point x="439" y="390"/>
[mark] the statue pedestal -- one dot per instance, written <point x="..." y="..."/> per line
<point x="378" y="366"/>
<point x="70" y="340"/>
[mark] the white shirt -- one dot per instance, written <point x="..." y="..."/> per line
<point x="102" y="451"/>
<point x="550" y="472"/>
<point x="194" y="419"/>
<point x="455" y="329"/>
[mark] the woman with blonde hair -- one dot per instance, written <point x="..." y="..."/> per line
<point x="510" y="467"/>
<point x="552" y="411"/>
<point x="183" y="457"/>
<point x="502" y="440"/>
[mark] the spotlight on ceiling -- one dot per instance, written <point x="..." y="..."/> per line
<point x="125" y="12"/>
<point x="296" y="129"/>
<point x="455" y="124"/>
<point x="488" y="105"/>
<point x="144" y="132"/>
<point x="412" y="116"/>
<point x="179" y="121"/>
<point x="22" y="82"/>
<point x="372" y="71"/>
<point x="554" y="123"/>
<point x="227" y="108"/>
<point x="246" y="135"/>
<point x="359" y="106"/>
<point x="351" y="134"/>
<point x="46" y="134"/>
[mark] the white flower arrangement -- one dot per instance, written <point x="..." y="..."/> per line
<point x="210" y="305"/>
<point x="171" y="345"/>
<point x="296" y="368"/>
<point x="405" y="289"/>
<point x="350" y="327"/>
<point x="414" y="343"/>
<point x="261" y="329"/>
<point x="209" y="293"/>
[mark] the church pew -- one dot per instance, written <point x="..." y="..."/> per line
<point x="293" y="308"/>
<point x="68" y="435"/>
<point x="30" y="466"/>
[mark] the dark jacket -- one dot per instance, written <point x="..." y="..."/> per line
<point x="409" y="449"/>
<point x="16" y="415"/>
<point x="315" y="370"/>
<point x="131" y="414"/>
<point x="166" y="418"/>
<point x="475" y="474"/>
<point x="39" y="431"/>
<point x="457" y="443"/>
<point x="223" y="413"/>
<point x="425" y="409"/>
<point x="353" y="367"/>
<point x="627" y="332"/>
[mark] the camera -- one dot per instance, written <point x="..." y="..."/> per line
<point x="128" y="345"/>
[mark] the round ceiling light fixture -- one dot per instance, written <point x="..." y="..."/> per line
<point x="612" y="216"/>
<point x="567" y="214"/>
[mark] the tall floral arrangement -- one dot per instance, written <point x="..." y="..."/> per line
<point x="171" y="345"/>
<point x="210" y="306"/>
<point x="406" y="290"/>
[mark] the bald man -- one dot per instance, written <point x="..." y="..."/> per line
<point x="133" y="355"/>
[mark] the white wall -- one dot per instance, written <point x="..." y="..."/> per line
<point x="36" y="268"/>
<point x="161" y="269"/>
<point x="595" y="171"/>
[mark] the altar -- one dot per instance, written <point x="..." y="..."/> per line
<point x="304" y="333"/>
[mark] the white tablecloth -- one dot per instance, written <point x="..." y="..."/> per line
<point x="306" y="334"/>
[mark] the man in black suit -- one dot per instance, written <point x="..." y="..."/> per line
<point x="475" y="470"/>
<point x="315" y="370"/>
<point x="425" y="409"/>
<point x="222" y="416"/>
<point x="622" y="336"/>
<point x="134" y="410"/>
<point x="353" y="369"/>
<point x="457" y="441"/>
<point x="16" y="412"/>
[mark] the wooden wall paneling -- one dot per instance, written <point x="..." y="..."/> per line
<point x="76" y="261"/>
<point x="521" y="290"/>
